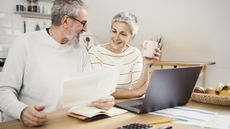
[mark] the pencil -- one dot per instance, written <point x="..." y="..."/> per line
<point x="161" y="121"/>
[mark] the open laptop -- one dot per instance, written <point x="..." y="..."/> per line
<point x="167" y="88"/>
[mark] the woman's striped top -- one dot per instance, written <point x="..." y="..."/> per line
<point x="130" y="61"/>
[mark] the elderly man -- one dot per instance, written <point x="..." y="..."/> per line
<point x="30" y="85"/>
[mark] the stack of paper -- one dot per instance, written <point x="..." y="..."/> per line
<point x="197" y="117"/>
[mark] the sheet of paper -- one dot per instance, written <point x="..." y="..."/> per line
<point x="219" y="122"/>
<point x="83" y="88"/>
<point x="187" y="115"/>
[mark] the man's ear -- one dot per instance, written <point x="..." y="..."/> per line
<point x="64" y="20"/>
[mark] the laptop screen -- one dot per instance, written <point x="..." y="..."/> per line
<point x="167" y="88"/>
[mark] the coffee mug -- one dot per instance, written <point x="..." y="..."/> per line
<point x="148" y="48"/>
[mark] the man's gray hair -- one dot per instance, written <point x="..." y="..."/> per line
<point x="128" y="18"/>
<point x="65" y="7"/>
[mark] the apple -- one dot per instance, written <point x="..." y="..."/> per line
<point x="199" y="89"/>
<point x="210" y="90"/>
<point x="225" y="93"/>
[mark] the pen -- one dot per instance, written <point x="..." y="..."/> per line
<point x="179" y="119"/>
<point x="159" y="41"/>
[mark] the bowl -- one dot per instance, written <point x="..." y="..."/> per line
<point x="211" y="99"/>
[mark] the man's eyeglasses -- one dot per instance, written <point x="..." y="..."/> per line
<point x="82" y="22"/>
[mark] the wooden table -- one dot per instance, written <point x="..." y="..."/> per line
<point x="59" y="120"/>
<point x="176" y="64"/>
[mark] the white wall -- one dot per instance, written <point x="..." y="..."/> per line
<point x="9" y="29"/>
<point x="193" y="30"/>
<point x="11" y="24"/>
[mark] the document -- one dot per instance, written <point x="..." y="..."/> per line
<point x="186" y="115"/>
<point x="193" y="116"/>
<point x="219" y="122"/>
<point x="83" y="88"/>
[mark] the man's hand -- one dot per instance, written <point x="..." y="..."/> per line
<point x="32" y="116"/>
<point x="104" y="103"/>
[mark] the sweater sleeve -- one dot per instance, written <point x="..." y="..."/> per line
<point x="11" y="80"/>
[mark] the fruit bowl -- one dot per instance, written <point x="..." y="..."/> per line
<point x="211" y="99"/>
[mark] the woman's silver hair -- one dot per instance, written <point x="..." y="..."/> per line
<point x="128" y="18"/>
<point x="65" y="7"/>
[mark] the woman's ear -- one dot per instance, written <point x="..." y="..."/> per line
<point x="132" y="37"/>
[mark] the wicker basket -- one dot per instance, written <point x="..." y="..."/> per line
<point x="211" y="99"/>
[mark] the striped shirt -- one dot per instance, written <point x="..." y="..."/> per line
<point x="130" y="61"/>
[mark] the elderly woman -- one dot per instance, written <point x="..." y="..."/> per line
<point x="133" y="77"/>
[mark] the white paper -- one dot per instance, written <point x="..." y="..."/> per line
<point x="186" y="115"/>
<point x="219" y="122"/>
<point x="83" y="88"/>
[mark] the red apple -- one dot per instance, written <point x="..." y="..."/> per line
<point x="199" y="89"/>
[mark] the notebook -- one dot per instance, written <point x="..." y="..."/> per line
<point x="167" y="88"/>
<point x="89" y="113"/>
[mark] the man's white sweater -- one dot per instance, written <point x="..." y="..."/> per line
<point x="34" y="70"/>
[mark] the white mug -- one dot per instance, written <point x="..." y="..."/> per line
<point x="148" y="48"/>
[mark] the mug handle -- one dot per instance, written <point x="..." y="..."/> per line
<point x="143" y="45"/>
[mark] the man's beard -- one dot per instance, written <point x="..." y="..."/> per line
<point x="72" y="37"/>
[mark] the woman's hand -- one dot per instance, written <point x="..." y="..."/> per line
<point x="104" y="103"/>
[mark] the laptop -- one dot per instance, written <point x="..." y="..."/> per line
<point x="167" y="88"/>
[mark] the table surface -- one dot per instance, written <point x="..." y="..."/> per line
<point x="60" y="120"/>
<point x="185" y="63"/>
